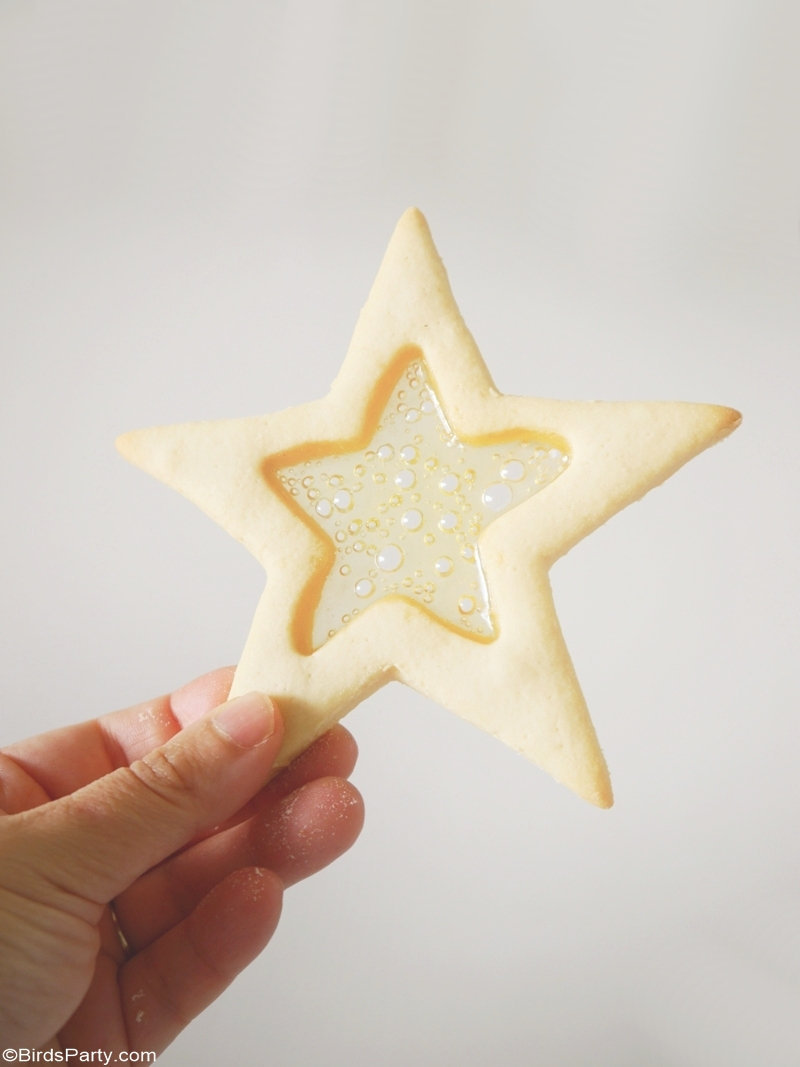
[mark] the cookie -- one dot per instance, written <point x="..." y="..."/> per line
<point x="407" y="522"/>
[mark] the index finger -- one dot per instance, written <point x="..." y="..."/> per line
<point x="57" y="763"/>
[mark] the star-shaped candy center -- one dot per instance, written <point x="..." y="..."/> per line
<point x="402" y="512"/>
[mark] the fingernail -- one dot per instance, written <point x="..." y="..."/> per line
<point x="248" y="720"/>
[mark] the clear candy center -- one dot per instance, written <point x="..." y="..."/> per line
<point x="404" y="514"/>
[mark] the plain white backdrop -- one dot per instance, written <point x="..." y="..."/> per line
<point x="194" y="198"/>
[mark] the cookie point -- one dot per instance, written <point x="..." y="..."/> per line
<point x="597" y="790"/>
<point x="143" y="449"/>
<point x="722" y="421"/>
<point x="124" y="444"/>
<point x="132" y="444"/>
<point x="413" y="213"/>
<point x="413" y="217"/>
<point x="730" y="418"/>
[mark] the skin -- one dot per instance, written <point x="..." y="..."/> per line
<point x="165" y="813"/>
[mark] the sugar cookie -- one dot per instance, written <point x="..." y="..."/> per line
<point x="408" y="520"/>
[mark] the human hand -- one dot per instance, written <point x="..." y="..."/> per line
<point x="159" y="810"/>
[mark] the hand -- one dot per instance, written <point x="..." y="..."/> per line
<point x="161" y="810"/>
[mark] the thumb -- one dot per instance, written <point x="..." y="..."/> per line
<point x="97" y="841"/>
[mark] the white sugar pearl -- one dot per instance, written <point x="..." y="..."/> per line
<point x="497" y="496"/>
<point x="390" y="558"/>
<point x="513" y="471"/>
<point x="411" y="519"/>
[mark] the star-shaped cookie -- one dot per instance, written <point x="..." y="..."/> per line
<point x="407" y="522"/>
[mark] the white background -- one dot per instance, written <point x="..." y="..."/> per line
<point x="194" y="198"/>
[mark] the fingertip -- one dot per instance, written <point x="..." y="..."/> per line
<point x="248" y="720"/>
<point x="312" y="827"/>
<point x="255" y="885"/>
<point x="176" y="977"/>
<point x="345" y="747"/>
<point x="195" y="699"/>
<point x="333" y="755"/>
<point x="238" y="917"/>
